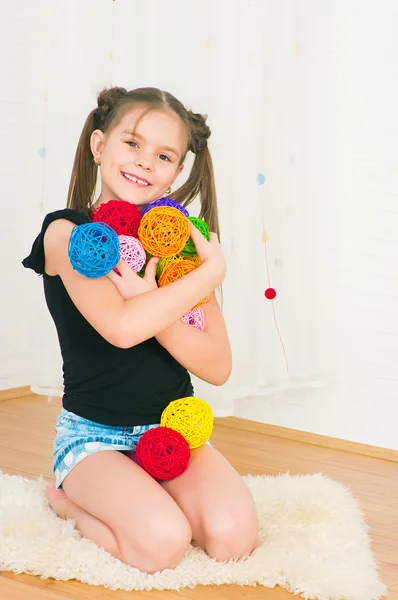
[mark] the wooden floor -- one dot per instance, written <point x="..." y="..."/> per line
<point x="26" y="436"/>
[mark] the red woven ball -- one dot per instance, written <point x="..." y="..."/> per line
<point x="122" y="216"/>
<point x="163" y="453"/>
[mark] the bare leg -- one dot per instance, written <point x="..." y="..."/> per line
<point x="87" y="524"/>
<point x="122" y="509"/>
<point x="217" y="504"/>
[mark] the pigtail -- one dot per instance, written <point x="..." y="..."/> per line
<point x="201" y="177"/>
<point x="201" y="181"/>
<point x="84" y="172"/>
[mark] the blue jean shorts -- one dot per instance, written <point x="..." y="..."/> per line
<point x="76" y="438"/>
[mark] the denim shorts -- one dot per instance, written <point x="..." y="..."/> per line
<point x="77" y="438"/>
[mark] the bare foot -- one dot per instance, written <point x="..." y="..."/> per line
<point x="57" y="499"/>
<point x="88" y="525"/>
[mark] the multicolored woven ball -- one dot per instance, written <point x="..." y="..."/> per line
<point x="121" y="215"/>
<point x="195" y="318"/>
<point x="132" y="252"/>
<point x="163" y="453"/>
<point x="165" y="201"/>
<point x="163" y="231"/>
<point x="93" y="249"/>
<point x="167" y="260"/>
<point x="192" y="417"/>
<point x="203" y="227"/>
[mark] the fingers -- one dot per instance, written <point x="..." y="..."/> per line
<point x="150" y="270"/>
<point x="114" y="277"/>
<point x="214" y="238"/>
<point x="123" y="270"/>
<point x="198" y="237"/>
<point x="123" y="267"/>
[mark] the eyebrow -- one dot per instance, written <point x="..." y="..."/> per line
<point x="167" y="148"/>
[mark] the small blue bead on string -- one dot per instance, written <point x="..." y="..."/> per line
<point x="94" y="249"/>
<point x="260" y="179"/>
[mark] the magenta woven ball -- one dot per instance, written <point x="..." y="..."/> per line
<point x="195" y="318"/>
<point x="163" y="453"/>
<point x="132" y="251"/>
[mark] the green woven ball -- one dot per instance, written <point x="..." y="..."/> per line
<point x="203" y="227"/>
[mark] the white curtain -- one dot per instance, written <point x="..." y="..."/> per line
<point x="291" y="93"/>
<point x="248" y="65"/>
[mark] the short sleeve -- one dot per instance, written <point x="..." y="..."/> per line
<point x="35" y="260"/>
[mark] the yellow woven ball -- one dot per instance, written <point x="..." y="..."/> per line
<point x="192" y="417"/>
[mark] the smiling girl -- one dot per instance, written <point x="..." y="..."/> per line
<point x="126" y="352"/>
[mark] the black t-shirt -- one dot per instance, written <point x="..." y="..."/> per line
<point x="103" y="383"/>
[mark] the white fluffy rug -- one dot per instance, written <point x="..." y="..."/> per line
<point x="313" y="542"/>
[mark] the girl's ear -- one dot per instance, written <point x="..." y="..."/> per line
<point x="97" y="142"/>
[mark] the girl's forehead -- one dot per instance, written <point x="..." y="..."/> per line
<point x="160" y="124"/>
<point x="147" y="117"/>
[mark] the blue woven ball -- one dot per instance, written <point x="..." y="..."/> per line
<point x="94" y="249"/>
<point x="166" y="202"/>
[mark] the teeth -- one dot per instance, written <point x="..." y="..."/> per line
<point x="132" y="178"/>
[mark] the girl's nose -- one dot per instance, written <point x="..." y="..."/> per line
<point x="145" y="162"/>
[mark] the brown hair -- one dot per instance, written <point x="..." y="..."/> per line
<point x="112" y="103"/>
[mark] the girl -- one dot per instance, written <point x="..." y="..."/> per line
<point x="126" y="352"/>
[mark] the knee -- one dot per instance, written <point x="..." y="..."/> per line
<point x="162" y="547"/>
<point x="231" y="536"/>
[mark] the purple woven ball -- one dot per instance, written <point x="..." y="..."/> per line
<point x="166" y="202"/>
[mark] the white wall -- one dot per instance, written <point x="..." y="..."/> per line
<point x="294" y="90"/>
<point x="24" y="46"/>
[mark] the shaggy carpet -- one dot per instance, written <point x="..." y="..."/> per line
<point x="313" y="542"/>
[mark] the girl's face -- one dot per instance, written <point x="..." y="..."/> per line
<point x="140" y="162"/>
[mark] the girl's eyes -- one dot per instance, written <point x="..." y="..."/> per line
<point x="135" y="145"/>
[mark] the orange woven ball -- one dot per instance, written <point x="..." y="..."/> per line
<point x="163" y="231"/>
<point x="177" y="269"/>
<point x="166" y="260"/>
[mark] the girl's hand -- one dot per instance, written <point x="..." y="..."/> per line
<point x="129" y="283"/>
<point x="210" y="252"/>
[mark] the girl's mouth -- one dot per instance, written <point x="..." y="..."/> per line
<point x="134" y="179"/>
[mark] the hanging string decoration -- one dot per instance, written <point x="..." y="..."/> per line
<point x="270" y="292"/>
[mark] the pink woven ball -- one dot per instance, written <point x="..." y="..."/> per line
<point x="195" y="318"/>
<point x="132" y="251"/>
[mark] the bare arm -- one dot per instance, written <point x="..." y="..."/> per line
<point x="206" y="354"/>
<point x="126" y="323"/>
